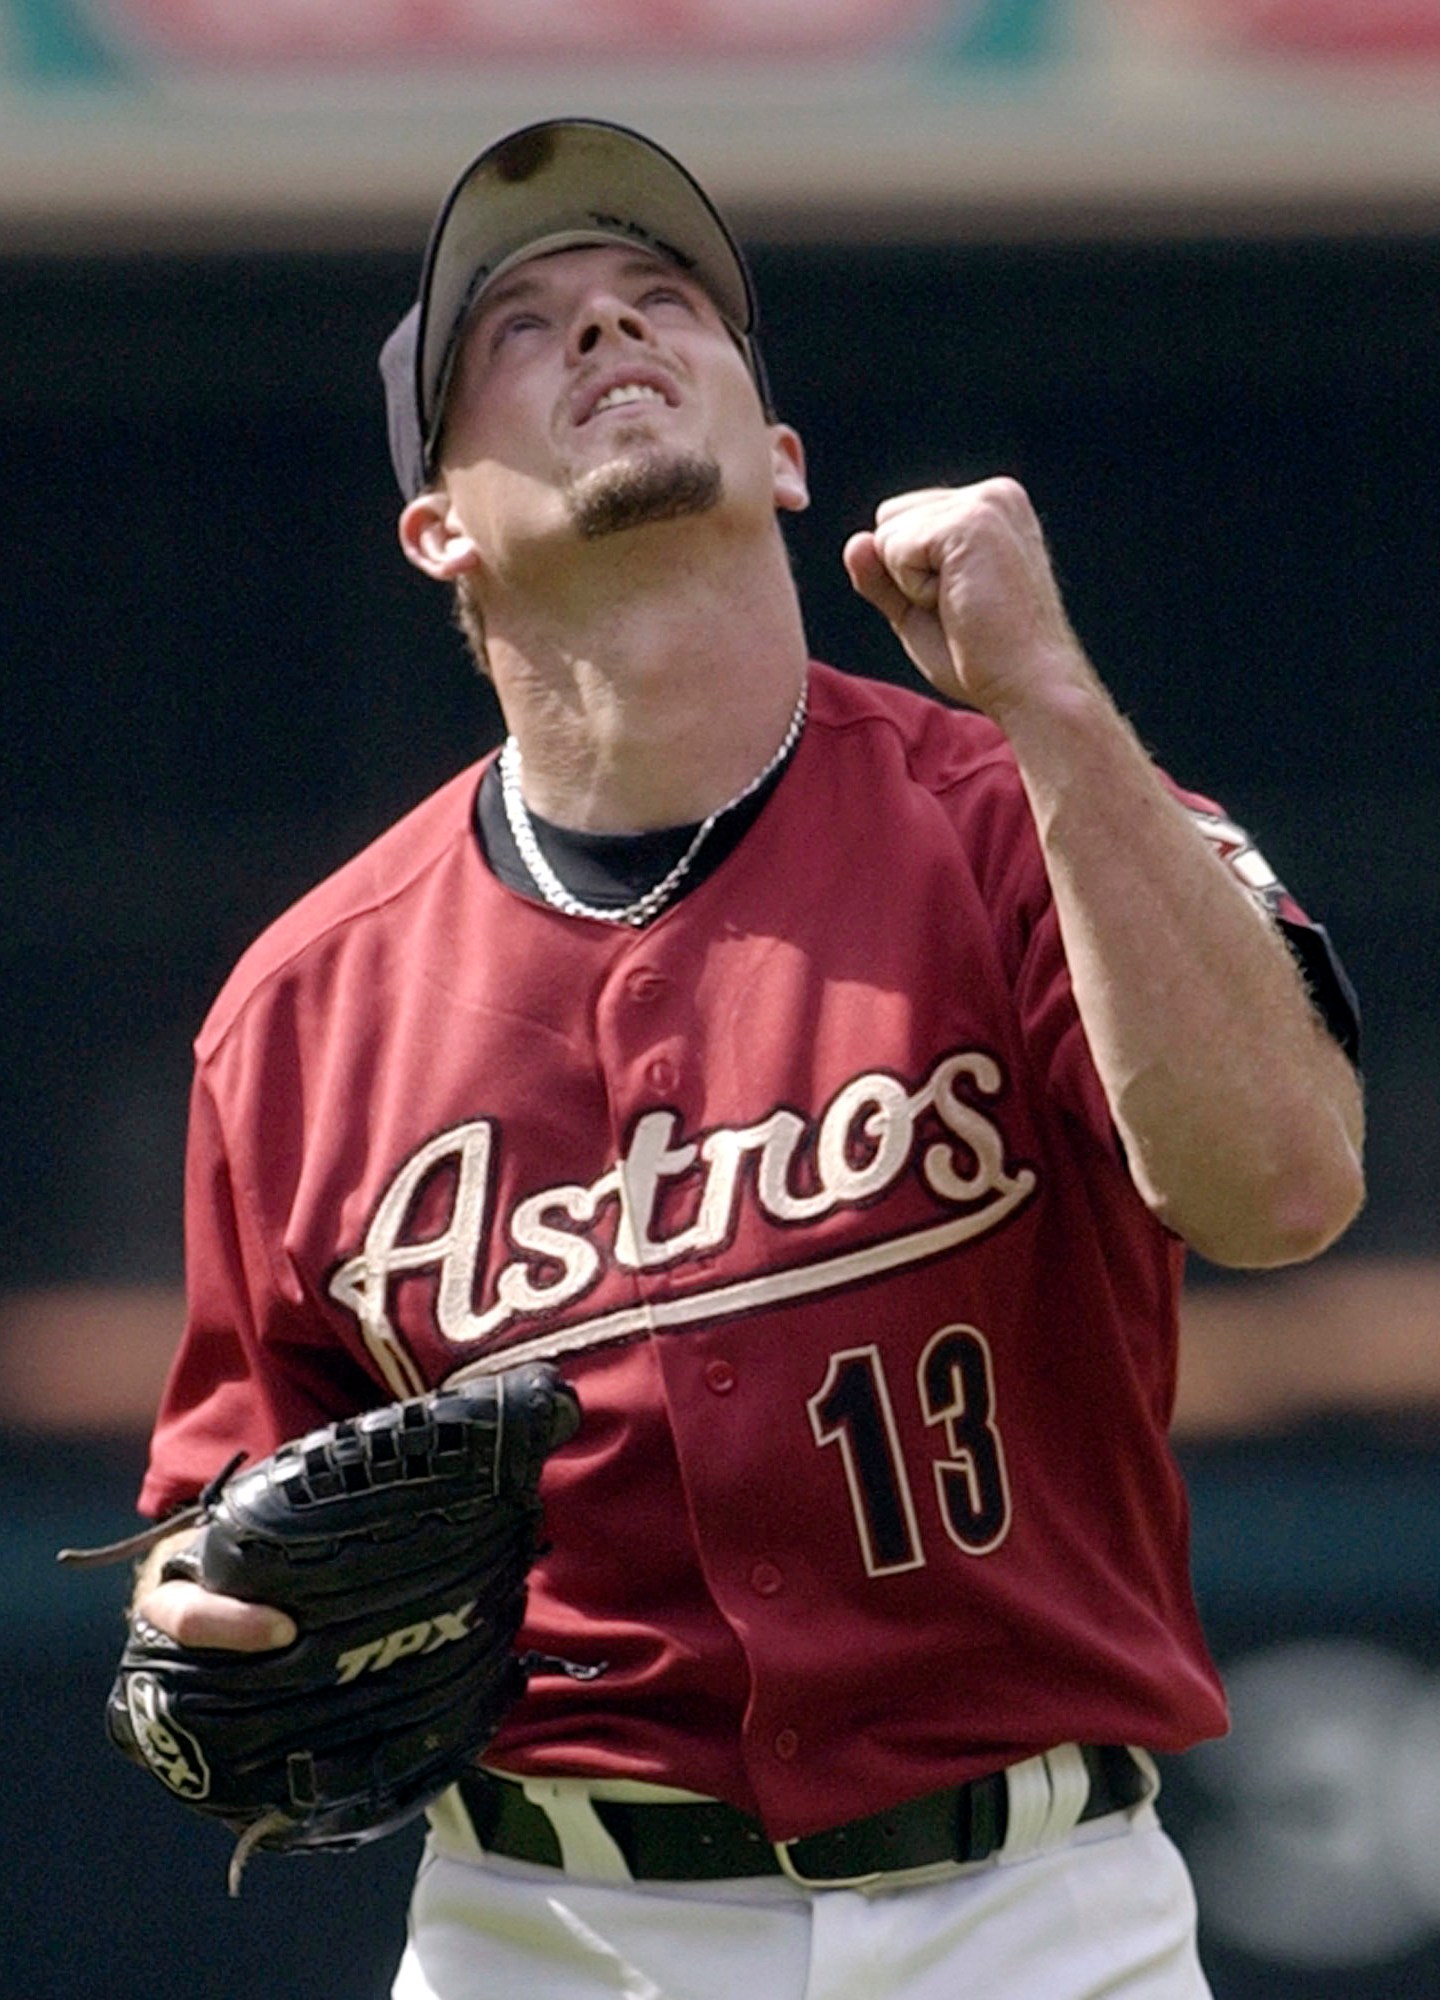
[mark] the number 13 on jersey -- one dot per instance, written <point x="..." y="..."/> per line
<point x="955" y="1381"/>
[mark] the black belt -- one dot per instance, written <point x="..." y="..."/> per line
<point x="706" y="1840"/>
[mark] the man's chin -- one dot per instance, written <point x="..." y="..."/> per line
<point x="636" y="490"/>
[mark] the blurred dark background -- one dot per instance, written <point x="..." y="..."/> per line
<point x="220" y="678"/>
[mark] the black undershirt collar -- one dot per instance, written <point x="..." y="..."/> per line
<point x="610" y="870"/>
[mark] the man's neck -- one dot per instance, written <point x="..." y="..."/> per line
<point x="655" y="701"/>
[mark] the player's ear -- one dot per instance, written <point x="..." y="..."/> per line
<point x="434" y="539"/>
<point x="792" y="494"/>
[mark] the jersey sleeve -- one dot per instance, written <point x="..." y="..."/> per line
<point x="1331" y="992"/>
<point x="250" y="1371"/>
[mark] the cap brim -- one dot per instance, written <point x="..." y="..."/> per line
<point x="581" y="179"/>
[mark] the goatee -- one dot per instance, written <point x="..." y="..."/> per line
<point x="633" y="492"/>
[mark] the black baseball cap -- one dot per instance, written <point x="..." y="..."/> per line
<point x="562" y="182"/>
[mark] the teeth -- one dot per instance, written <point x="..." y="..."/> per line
<point x="628" y="392"/>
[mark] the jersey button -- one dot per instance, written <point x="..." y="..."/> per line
<point x="720" y="1377"/>
<point x="766" y="1579"/>
<point x="662" y="1076"/>
<point x="787" y="1745"/>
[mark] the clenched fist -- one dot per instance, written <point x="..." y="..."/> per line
<point x="964" y="578"/>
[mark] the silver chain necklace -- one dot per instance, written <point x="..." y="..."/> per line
<point x="522" y="831"/>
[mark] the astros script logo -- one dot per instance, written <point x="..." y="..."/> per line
<point x="874" y="1134"/>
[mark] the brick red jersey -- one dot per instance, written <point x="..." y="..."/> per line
<point x="812" y="1190"/>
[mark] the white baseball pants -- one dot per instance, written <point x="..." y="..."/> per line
<point x="1108" y="1915"/>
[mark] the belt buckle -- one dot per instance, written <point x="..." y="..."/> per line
<point x="789" y="1869"/>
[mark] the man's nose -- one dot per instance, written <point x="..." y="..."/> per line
<point x="603" y="319"/>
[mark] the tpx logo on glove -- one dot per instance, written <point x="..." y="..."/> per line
<point x="428" y="1636"/>
<point x="171" y="1752"/>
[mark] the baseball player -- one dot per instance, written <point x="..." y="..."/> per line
<point x="828" y="1080"/>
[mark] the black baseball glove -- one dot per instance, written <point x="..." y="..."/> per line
<point x="400" y="1543"/>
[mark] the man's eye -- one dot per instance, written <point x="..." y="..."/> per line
<point x="664" y="295"/>
<point x="514" y="323"/>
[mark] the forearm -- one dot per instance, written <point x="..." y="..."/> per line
<point x="1240" y="1116"/>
